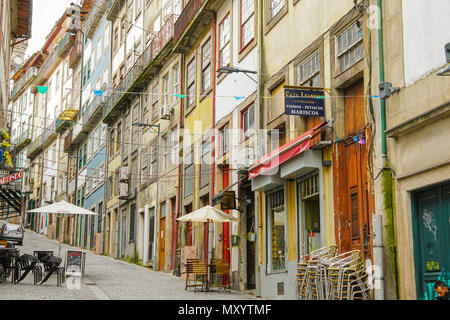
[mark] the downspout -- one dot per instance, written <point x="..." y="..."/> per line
<point x="257" y="207"/>
<point x="384" y="222"/>
<point x="213" y="151"/>
<point x="178" y="199"/>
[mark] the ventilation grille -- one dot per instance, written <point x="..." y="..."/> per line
<point x="280" y="288"/>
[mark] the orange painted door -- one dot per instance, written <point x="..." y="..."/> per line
<point x="162" y="243"/>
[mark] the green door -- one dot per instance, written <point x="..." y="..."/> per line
<point x="431" y="239"/>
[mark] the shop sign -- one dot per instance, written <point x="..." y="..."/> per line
<point x="306" y="102"/>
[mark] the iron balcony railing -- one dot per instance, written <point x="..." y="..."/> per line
<point x="186" y="17"/>
<point x="75" y="54"/>
<point x="22" y="140"/>
<point x="49" y="132"/>
<point x="31" y="73"/>
<point x="93" y="108"/>
<point x="66" y="43"/>
<point x="34" y="147"/>
<point x="98" y="8"/>
<point x="144" y="60"/>
<point x="113" y="7"/>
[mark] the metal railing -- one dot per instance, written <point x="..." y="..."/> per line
<point x="23" y="80"/>
<point x="188" y="13"/>
<point x="93" y="107"/>
<point x="150" y="53"/>
<point x="98" y="7"/>
<point x="22" y="138"/>
<point x="48" y="132"/>
<point x="34" y="146"/>
<point x="65" y="43"/>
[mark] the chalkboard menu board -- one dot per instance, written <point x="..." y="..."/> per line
<point x="74" y="261"/>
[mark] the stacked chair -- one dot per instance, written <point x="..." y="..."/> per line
<point x="326" y="275"/>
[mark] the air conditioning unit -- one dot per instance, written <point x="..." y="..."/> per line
<point x="166" y="112"/>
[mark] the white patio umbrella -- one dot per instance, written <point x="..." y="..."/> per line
<point x="208" y="214"/>
<point x="62" y="207"/>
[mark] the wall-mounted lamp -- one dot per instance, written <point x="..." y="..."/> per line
<point x="386" y="90"/>
<point x="445" y="72"/>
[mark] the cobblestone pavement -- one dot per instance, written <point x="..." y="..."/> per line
<point x="105" y="278"/>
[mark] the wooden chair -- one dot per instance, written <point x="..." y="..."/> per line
<point x="220" y="273"/>
<point x="196" y="269"/>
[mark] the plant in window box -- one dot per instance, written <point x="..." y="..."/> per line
<point x="5" y="145"/>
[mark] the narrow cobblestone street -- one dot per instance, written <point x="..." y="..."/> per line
<point x="105" y="278"/>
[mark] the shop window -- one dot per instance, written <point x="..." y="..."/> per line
<point x="309" y="218"/>
<point x="276" y="230"/>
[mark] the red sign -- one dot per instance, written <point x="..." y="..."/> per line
<point x="11" y="177"/>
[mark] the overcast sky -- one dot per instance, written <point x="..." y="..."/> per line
<point x="45" y="15"/>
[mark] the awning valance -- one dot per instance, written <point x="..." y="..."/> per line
<point x="285" y="152"/>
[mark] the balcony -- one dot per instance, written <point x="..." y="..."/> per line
<point x="47" y="68"/>
<point x="93" y="113"/>
<point x="68" y="141"/>
<point x="78" y="133"/>
<point x="94" y="17"/>
<point x="113" y="7"/>
<point x="143" y="69"/>
<point x="189" y="19"/>
<point x="75" y="54"/>
<point x="22" y="140"/>
<point x="27" y="78"/>
<point x="34" y="148"/>
<point x="66" y="43"/>
<point x="49" y="134"/>
<point x="65" y="119"/>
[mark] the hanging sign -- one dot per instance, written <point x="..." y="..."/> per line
<point x="306" y="102"/>
<point x="11" y="177"/>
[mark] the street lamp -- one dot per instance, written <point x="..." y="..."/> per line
<point x="231" y="69"/>
<point x="157" y="131"/>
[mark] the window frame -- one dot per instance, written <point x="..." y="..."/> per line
<point x="227" y="45"/>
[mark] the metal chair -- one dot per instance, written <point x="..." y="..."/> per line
<point x="27" y="263"/>
<point x="8" y="262"/>
<point x="51" y="265"/>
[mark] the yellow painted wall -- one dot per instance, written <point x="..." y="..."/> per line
<point x="291" y="220"/>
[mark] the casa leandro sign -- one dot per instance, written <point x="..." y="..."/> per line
<point x="306" y="102"/>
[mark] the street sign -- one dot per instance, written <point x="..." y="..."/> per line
<point x="307" y="102"/>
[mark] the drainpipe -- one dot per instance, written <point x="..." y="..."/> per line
<point x="213" y="153"/>
<point x="257" y="206"/>
<point x="384" y="223"/>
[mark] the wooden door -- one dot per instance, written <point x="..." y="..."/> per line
<point x="353" y="197"/>
<point x="162" y="243"/>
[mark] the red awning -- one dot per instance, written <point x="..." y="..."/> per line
<point x="285" y="152"/>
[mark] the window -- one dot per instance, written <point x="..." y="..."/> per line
<point x="276" y="230"/>
<point x="153" y="161"/>
<point x="144" y="173"/>
<point x="204" y="167"/>
<point x="191" y="83"/>
<point x="224" y="140"/>
<point x="275" y="7"/>
<point x="138" y="7"/>
<point x="130" y="10"/>
<point x="116" y="38"/>
<point x="176" y="80"/>
<point x="309" y="71"/>
<point x="100" y="217"/>
<point x="165" y="88"/>
<point x="177" y="7"/>
<point x="206" y="65"/>
<point x="155" y="98"/>
<point x="248" y="120"/>
<point x="165" y="151"/>
<point x="112" y="139"/>
<point x="276" y="104"/>
<point x="350" y="46"/>
<point x="224" y="42"/>
<point x="188" y="174"/>
<point x="163" y="210"/>
<point x="167" y="9"/>
<point x="106" y="37"/>
<point x="247" y="22"/>
<point x="119" y="137"/>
